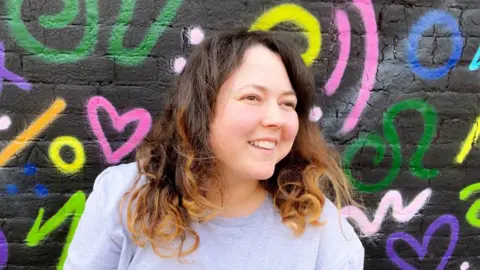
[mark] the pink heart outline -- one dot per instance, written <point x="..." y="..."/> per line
<point x="119" y="122"/>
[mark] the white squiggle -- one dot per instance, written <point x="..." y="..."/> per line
<point x="400" y="213"/>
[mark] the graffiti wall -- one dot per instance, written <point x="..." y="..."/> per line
<point x="397" y="83"/>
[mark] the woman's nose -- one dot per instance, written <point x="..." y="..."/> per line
<point x="273" y="115"/>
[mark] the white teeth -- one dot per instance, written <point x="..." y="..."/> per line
<point x="263" y="144"/>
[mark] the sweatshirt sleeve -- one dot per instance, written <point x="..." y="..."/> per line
<point x="340" y="247"/>
<point x="355" y="261"/>
<point x="99" y="241"/>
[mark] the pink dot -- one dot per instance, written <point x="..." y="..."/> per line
<point x="315" y="114"/>
<point x="5" y="122"/>
<point x="195" y="35"/>
<point x="465" y="266"/>
<point x="178" y="64"/>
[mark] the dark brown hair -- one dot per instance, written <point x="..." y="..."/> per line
<point x="178" y="163"/>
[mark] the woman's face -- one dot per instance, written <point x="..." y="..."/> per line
<point x="255" y="121"/>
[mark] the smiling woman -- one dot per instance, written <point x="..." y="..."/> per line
<point x="233" y="175"/>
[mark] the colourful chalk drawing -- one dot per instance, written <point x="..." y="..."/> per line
<point x="77" y="147"/>
<point x="473" y="212"/>
<point x="431" y="18"/>
<point x="475" y="64"/>
<point x="71" y="10"/>
<point x="195" y="36"/>
<point x="304" y="19"/>
<point x="29" y="169"/>
<point x="25" y="138"/>
<point x="392" y="199"/>
<point x="63" y="18"/>
<point x="10" y="76"/>
<point x="178" y="64"/>
<point x="343" y="26"/>
<point x="472" y="138"/>
<point x="119" y="122"/>
<point x="41" y="190"/>
<point x="365" y="7"/>
<point x="299" y="16"/>
<point x="24" y="38"/>
<point x="127" y="56"/>
<point x="5" y="122"/>
<point x="391" y="138"/>
<point x="464" y="266"/>
<point x="73" y="207"/>
<point x="315" y="114"/>
<point x="421" y="248"/>
<point x="11" y="189"/>
<point x="3" y="250"/>
<point x="370" y="67"/>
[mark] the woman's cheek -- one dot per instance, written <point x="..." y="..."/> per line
<point x="243" y="117"/>
<point x="291" y="127"/>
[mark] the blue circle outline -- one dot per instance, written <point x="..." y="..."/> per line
<point x="426" y="22"/>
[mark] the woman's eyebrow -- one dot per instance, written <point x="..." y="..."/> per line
<point x="288" y="92"/>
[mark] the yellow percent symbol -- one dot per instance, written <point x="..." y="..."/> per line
<point x="75" y="145"/>
<point x="25" y="138"/>
<point x="299" y="16"/>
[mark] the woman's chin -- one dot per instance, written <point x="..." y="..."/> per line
<point x="262" y="174"/>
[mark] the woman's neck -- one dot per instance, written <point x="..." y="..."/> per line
<point x="240" y="199"/>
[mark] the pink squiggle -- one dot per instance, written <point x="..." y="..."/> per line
<point x="119" y="122"/>
<point x="343" y="25"/>
<point x="400" y="213"/>
<point x="365" y="8"/>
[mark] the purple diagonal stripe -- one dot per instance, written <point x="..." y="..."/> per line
<point x="10" y="76"/>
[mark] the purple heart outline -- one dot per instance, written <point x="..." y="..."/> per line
<point x="421" y="249"/>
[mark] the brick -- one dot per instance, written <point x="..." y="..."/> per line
<point x="144" y="84"/>
<point x="98" y="69"/>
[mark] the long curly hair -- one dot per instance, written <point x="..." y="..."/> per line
<point x="178" y="164"/>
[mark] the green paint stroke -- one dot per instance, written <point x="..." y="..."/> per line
<point x="73" y="207"/>
<point x="70" y="11"/>
<point x="378" y="143"/>
<point x="471" y="215"/>
<point x="62" y="19"/>
<point x="127" y="56"/>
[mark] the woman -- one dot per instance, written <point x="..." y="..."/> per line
<point x="233" y="176"/>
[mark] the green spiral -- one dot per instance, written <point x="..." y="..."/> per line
<point x="391" y="138"/>
<point x="70" y="11"/>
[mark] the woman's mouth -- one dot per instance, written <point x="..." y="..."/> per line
<point x="268" y="145"/>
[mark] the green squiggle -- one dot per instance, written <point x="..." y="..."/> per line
<point x="391" y="136"/>
<point x="23" y="36"/>
<point x="62" y="19"/>
<point x="471" y="216"/>
<point x="129" y="57"/>
<point x="73" y="207"/>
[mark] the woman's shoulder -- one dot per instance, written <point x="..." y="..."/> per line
<point x="116" y="178"/>
<point x="339" y="243"/>
<point x="112" y="183"/>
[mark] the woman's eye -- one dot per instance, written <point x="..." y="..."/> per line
<point x="252" y="98"/>
<point x="290" y="104"/>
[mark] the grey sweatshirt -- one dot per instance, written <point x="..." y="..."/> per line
<point x="256" y="241"/>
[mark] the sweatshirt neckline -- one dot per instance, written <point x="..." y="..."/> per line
<point x="259" y="213"/>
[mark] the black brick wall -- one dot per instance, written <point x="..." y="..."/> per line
<point x="48" y="59"/>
